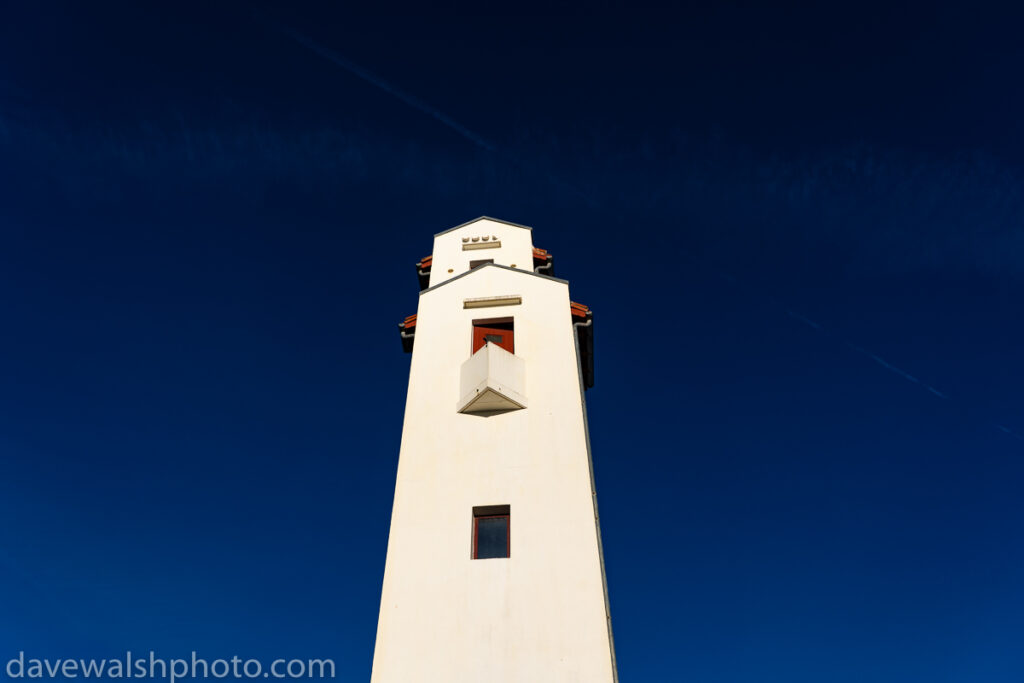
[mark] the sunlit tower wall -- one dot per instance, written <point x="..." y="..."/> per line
<point x="494" y="568"/>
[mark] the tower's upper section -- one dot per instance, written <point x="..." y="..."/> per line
<point x="501" y="264"/>
<point x="482" y="240"/>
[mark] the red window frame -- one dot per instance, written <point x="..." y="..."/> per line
<point x="508" y="535"/>
<point x="501" y="327"/>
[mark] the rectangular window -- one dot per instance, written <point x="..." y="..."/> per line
<point x="480" y="262"/>
<point x="491" y="532"/>
<point x="497" y="331"/>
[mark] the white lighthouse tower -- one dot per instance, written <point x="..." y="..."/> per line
<point x="494" y="569"/>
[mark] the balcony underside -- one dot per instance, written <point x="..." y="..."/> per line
<point x="491" y="382"/>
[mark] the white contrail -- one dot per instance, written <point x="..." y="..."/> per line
<point x="1009" y="431"/>
<point x="418" y="104"/>
<point x="817" y="327"/>
<point x="873" y="356"/>
<point x="902" y="373"/>
<point x="805" y="321"/>
<point x="378" y="82"/>
<point x="422" y="106"/>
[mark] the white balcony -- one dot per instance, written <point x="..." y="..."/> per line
<point x="492" y="381"/>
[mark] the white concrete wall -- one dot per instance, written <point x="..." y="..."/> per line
<point x="516" y="248"/>
<point x="538" y="615"/>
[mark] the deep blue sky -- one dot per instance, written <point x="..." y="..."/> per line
<point x="208" y="237"/>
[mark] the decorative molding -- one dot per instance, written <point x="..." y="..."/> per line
<point x="469" y="246"/>
<point x="489" y="301"/>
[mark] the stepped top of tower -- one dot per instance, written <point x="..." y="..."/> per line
<point x="494" y="245"/>
<point x="478" y="242"/>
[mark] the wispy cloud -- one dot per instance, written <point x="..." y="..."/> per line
<point x="860" y="209"/>
<point x="882" y="210"/>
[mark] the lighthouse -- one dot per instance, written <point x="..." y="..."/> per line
<point x="494" y="568"/>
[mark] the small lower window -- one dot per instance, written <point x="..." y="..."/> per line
<point x="491" y="532"/>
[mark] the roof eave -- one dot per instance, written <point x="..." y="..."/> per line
<point x="494" y="265"/>
<point x="483" y="218"/>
